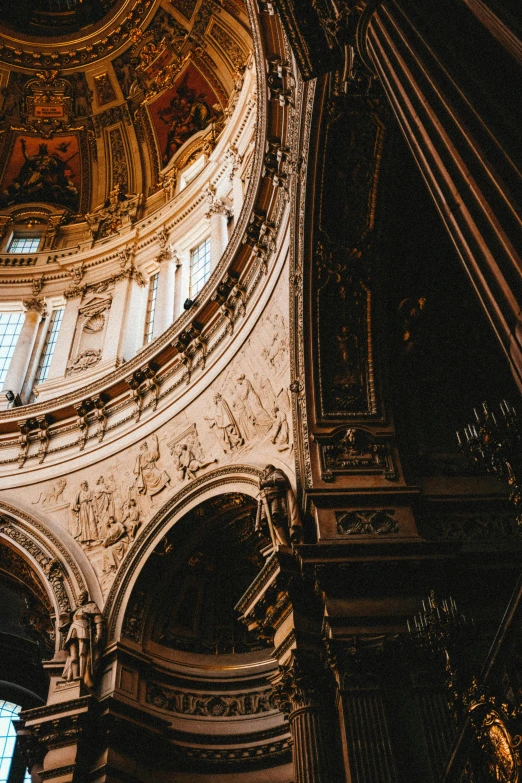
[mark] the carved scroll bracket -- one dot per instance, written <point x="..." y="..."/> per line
<point x="231" y="297"/>
<point x="142" y="382"/>
<point x="188" y="344"/>
<point x="91" y="411"/>
<point x="259" y="235"/>
<point x="32" y="430"/>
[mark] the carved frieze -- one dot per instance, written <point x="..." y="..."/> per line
<point x="188" y="454"/>
<point x="210" y="705"/>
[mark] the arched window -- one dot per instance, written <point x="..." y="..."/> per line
<point x="8" y="713"/>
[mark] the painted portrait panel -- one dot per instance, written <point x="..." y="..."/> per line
<point x="183" y="110"/>
<point x="39" y="169"/>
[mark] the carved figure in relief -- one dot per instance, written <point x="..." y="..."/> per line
<point x="53" y="495"/>
<point x="253" y="418"/>
<point x="131" y="519"/>
<point x="103" y="504"/>
<point x="350" y="374"/>
<point x="87" y="530"/>
<point x="276" y="351"/>
<point x="187" y="464"/>
<point x="84" y="630"/>
<point x="280" y="430"/>
<point x="226" y="426"/>
<point x="149" y="478"/>
<point x="277" y="508"/>
<point x="116" y="544"/>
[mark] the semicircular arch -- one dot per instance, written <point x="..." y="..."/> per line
<point x="242" y="479"/>
<point x="58" y="560"/>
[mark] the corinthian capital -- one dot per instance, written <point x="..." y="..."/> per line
<point x="301" y="683"/>
<point x="35" y="303"/>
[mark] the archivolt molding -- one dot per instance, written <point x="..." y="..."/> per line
<point x="55" y="563"/>
<point x="297" y="300"/>
<point x="234" y="478"/>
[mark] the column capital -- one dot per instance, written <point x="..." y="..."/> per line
<point x="34" y="304"/>
<point x="217" y="205"/>
<point x="301" y="682"/>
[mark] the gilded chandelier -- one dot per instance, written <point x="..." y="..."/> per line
<point x="494" y="442"/>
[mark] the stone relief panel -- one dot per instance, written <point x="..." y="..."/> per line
<point x="90" y="332"/>
<point x="243" y="416"/>
<point x="210" y="705"/>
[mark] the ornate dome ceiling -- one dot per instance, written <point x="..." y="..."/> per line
<point x="52" y="17"/>
<point x="102" y="95"/>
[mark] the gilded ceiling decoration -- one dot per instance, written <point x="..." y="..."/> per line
<point x="162" y="87"/>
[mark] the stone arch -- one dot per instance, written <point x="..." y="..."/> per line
<point x="57" y="559"/>
<point x="234" y="478"/>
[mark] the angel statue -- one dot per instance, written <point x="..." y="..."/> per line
<point x="83" y="629"/>
<point x="278" y="508"/>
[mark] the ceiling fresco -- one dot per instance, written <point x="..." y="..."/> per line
<point x="167" y="81"/>
<point x="180" y="112"/>
<point x="42" y="170"/>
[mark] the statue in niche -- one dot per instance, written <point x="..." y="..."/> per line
<point x="87" y="529"/>
<point x="84" y="630"/>
<point x="225" y="424"/>
<point x="349" y="375"/>
<point x="116" y="544"/>
<point x="131" y="518"/>
<point x="103" y="504"/>
<point x="149" y="478"/>
<point x="252" y="417"/>
<point x="277" y="508"/>
<point x="414" y="322"/>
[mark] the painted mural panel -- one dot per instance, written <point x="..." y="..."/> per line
<point x="40" y="169"/>
<point x="183" y="110"/>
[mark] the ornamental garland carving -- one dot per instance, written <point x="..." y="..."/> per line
<point x="210" y="705"/>
<point x="366" y="522"/>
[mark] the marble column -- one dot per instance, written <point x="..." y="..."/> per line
<point x="64" y="340"/>
<point x="218" y="214"/>
<point x="115" y="318"/>
<point x="164" y="315"/>
<point x="134" y="319"/>
<point x="19" y="364"/>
